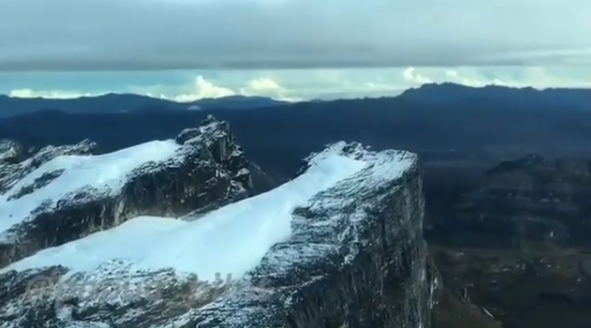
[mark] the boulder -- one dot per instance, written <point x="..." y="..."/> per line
<point x="355" y="257"/>
<point x="62" y="193"/>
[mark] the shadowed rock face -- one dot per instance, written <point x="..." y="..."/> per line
<point x="210" y="170"/>
<point x="530" y="199"/>
<point x="356" y="258"/>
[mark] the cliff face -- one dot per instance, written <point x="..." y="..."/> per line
<point x="532" y="199"/>
<point x="356" y="257"/>
<point x="205" y="168"/>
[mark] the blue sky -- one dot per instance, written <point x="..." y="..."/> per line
<point x="293" y="49"/>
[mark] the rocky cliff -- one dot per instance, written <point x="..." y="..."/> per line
<point x="355" y="257"/>
<point x="47" y="199"/>
<point x="532" y="199"/>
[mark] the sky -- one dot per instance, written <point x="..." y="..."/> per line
<point x="290" y="49"/>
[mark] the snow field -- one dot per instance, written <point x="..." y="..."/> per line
<point x="229" y="241"/>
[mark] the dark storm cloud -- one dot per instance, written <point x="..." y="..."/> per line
<point x="66" y="35"/>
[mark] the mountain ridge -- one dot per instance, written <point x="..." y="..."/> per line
<point x="426" y="94"/>
<point x="124" y="102"/>
<point x="527" y="97"/>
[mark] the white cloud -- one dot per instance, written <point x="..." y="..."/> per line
<point x="51" y="94"/>
<point x="201" y="89"/>
<point x="325" y="84"/>
<point x="83" y="35"/>
<point x="263" y="86"/>
<point x="412" y="77"/>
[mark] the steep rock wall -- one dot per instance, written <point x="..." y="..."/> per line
<point x="357" y="259"/>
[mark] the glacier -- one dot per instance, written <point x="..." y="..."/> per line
<point x="227" y="241"/>
<point x="348" y="226"/>
<point x="105" y="173"/>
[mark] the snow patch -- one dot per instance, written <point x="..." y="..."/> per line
<point x="229" y="241"/>
<point x="105" y="173"/>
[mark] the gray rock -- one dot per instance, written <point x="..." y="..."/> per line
<point x="10" y="152"/>
<point x="16" y="164"/>
<point x="208" y="169"/>
<point x="357" y="259"/>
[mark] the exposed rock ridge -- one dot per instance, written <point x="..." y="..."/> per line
<point x="528" y="199"/>
<point x="207" y="168"/>
<point x="10" y="152"/>
<point x="15" y="163"/>
<point x="357" y="257"/>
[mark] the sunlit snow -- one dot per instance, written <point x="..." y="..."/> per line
<point x="106" y="172"/>
<point x="229" y="241"/>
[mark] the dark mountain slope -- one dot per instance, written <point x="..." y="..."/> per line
<point x="524" y="97"/>
<point x="287" y="133"/>
<point x="456" y="137"/>
<point x="112" y="103"/>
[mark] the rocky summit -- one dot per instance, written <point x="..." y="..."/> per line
<point x="339" y="245"/>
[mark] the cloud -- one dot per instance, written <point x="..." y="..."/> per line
<point x="414" y="78"/>
<point x="200" y="89"/>
<point x="287" y="85"/>
<point x="51" y="94"/>
<point x="68" y="35"/>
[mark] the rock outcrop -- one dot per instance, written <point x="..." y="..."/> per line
<point x="205" y="169"/>
<point x="532" y="199"/>
<point x="15" y="163"/>
<point x="356" y="258"/>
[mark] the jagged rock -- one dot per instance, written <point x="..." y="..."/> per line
<point x="10" y="152"/>
<point x="16" y="164"/>
<point x="532" y="199"/>
<point x="197" y="172"/>
<point x="356" y="257"/>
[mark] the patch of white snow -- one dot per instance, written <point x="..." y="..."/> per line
<point x="106" y="172"/>
<point x="229" y="241"/>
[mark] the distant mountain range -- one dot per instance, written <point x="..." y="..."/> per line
<point x="527" y="97"/>
<point x="433" y="119"/>
<point x="427" y="94"/>
<point x="113" y="102"/>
